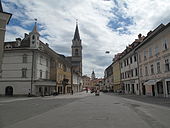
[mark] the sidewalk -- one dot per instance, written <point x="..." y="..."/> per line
<point x="62" y="96"/>
<point x="66" y="96"/>
<point x="147" y="99"/>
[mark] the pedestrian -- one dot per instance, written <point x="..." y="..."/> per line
<point x="72" y="92"/>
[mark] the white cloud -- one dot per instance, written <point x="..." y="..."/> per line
<point x="57" y="20"/>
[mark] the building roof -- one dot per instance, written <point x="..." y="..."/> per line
<point x="1" y="9"/>
<point x="152" y="34"/>
<point x="76" y="34"/>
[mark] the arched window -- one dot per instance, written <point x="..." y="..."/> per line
<point x="76" y="52"/>
<point x="33" y="37"/>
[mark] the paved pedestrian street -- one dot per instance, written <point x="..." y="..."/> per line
<point x="83" y="110"/>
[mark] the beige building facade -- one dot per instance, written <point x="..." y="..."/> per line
<point x="154" y="62"/>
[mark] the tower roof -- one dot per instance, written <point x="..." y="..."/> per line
<point x="76" y="34"/>
<point x="35" y="30"/>
<point x="1" y="10"/>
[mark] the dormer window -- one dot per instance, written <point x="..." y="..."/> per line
<point x="8" y="46"/>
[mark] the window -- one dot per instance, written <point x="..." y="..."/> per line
<point x="160" y="87"/>
<point x="47" y="62"/>
<point x="136" y="72"/>
<point x="128" y="73"/>
<point x="165" y="45"/>
<point x="46" y="74"/>
<point x="127" y="61"/>
<point x="145" y="55"/>
<point x="131" y="60"/>
<point x="158" y="67"/>
<point x="24" y="58"/>
<point x="140" y="71"/>
<point x="156" y="50"/>
<point x="76" y="52"/>
<point x="137" y="86"/>
<point x="132" y="73"/>
<point x="33" y="37"/>
<point x="41" y="58"/>
<point x="150" y="52"/>
<point x="135" y="58"/>
<point x="167" y="65"/>
<point x="152" y="69"/>
<point x="146" y="71"/>
<point x="40" y="73"/>
<point x="64" y="68"/>
<point x="24" y="73"/>
<point x="121" y="65"/>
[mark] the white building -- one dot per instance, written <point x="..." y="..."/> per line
<point x="129" y="68"/>
<point x="4" y="20"/>
<point x="26" y="67"/>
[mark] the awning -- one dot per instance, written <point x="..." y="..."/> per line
<point x="152" y="82"/>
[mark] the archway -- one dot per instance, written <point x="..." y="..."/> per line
<point x="9" y="91"/>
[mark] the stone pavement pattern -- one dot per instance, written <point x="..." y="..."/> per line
<point x="102" y="111"/>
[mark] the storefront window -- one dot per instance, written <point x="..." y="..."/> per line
<point x="160" y="87"/>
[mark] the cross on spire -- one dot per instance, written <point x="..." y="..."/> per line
<point x="76" y="34"/>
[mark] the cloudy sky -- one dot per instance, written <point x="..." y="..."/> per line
<point x="104" y="25"/>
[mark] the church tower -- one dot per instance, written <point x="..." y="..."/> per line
<point x="34" y="37"/>
<point x="77" y="52"/>
<point x="93" y="76"/>
<point x="4" y="20"/>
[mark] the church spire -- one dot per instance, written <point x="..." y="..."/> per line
<point x="76" y="34"/>
<point x="1" y="10"/>
<point x="35" y="30"/>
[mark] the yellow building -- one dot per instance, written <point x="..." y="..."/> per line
<point x="116" y="74"/>
<point x="63" y="76"/>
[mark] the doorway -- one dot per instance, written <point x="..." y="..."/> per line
<point x="143" y="90"/>
<point x="9" y="91"/>
<point x="153" y="90"/>
<point x="133" y="89"/>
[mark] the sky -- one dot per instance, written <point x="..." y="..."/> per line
<point x="104" y="25"/>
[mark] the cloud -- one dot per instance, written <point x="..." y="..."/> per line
<point x="104" y="25"/>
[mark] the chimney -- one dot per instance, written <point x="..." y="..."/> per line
<point x="139" y="36"/>
<point x="25" y="35"/>
<point x="18" y="39"/>
<point x="18" y="42"/>
<point x="47" y="44"/>
<point x="149" y="33"/>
